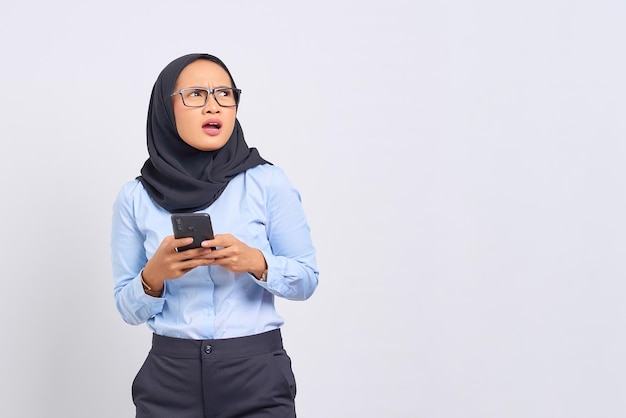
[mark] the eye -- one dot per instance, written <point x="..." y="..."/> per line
<point x="225" y="92"/>
<point x="195" y="93"/>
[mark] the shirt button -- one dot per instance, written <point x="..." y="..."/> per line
<point x="208" y="349"/>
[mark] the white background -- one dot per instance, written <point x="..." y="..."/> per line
<point x="462" y="166"/>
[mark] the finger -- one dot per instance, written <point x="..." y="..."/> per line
<point x="195" y="253"/>
<point x="222" y="240"/>
<point x="222" y="252"/>
<point x="181" y="242"/>
<point x="219" y="240"/>
<point x="191" y="264"/>
<point x="200" y="256"/>
<point x="210" y="243"/>
<point x="229" y="264"/>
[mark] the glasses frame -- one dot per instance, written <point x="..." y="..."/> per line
<point x="237" y="92"/>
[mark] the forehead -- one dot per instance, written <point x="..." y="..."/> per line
<point x="202" y="73"/>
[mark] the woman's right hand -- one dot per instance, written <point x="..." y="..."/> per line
<point x="168" y="264"/>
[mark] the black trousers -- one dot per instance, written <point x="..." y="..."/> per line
<point x="227" y="378"/>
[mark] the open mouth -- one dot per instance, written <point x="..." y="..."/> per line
<point x="212" y="125"/>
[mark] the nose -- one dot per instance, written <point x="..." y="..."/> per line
<point x="211" y="104"/>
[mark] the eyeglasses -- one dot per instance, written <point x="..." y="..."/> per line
<point x="198" y="96"/>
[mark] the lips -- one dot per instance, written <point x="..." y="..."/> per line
<point x="212" y="127"/>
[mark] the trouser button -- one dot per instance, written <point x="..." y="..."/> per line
<point x="208" y="349"/>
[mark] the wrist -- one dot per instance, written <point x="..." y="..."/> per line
<point x="260" y="272"/>
<point x="262" y="277"/>
<point x="148" y="289"/>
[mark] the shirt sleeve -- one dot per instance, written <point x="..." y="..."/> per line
<point x="128" y="258"/>
<point x="292" y="266"/>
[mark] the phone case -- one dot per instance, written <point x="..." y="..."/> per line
<point x="195" y="225"/>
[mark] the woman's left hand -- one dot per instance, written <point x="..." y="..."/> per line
<point x="235" y="255"/>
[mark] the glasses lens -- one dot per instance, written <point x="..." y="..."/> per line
<point x="195" y="97"/>
<point x="226" y="97"/>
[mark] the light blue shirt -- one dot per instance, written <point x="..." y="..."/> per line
<point x="261" y="208"/>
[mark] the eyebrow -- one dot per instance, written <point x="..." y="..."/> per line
<point x="200" y="87"/>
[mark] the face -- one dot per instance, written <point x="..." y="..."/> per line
<point x="209" y="127"/>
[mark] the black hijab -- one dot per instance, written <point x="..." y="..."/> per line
<point x="178" y="177"/>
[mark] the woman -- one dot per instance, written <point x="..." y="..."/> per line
<point x="216" y="349"/>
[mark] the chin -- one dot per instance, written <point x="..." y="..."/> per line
<point x="212" y="145"/>
<point x="206" y="144"/>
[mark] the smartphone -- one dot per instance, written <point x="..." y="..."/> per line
<point x="195" y="225"/>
